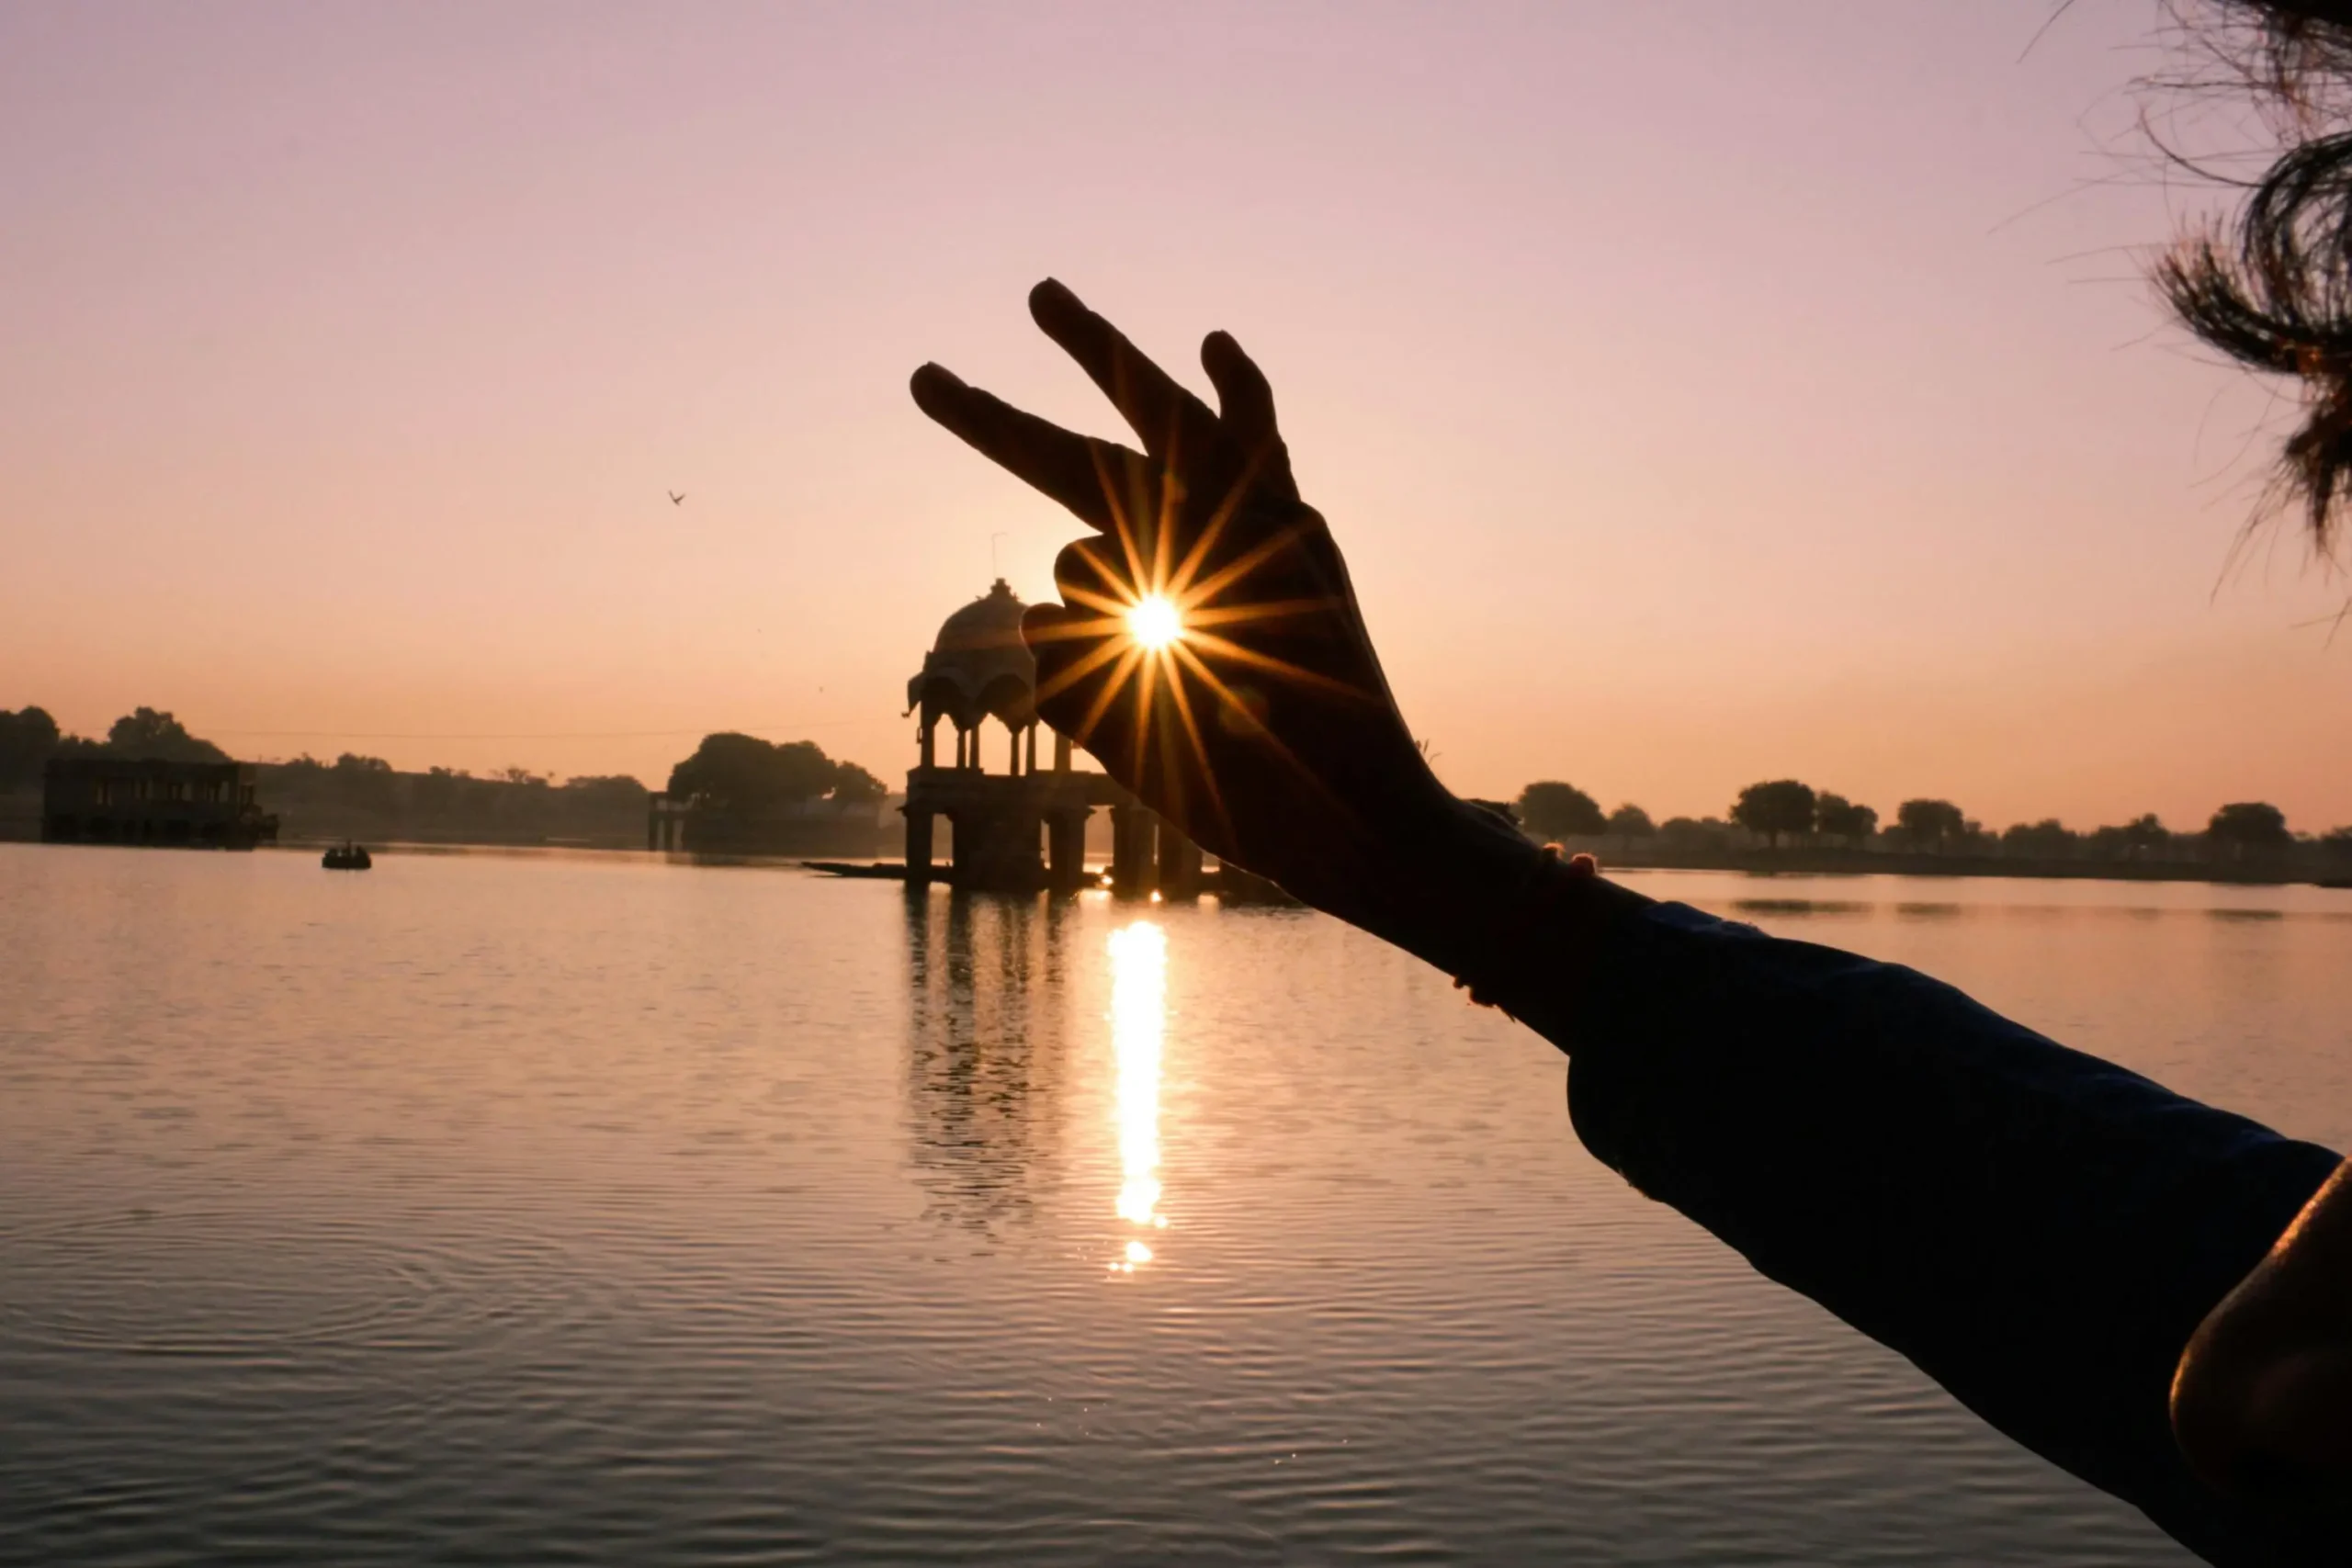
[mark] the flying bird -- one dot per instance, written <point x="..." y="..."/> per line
<point x="675" y="498"/>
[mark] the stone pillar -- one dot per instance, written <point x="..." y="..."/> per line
<point x="1012" y="761"/>
<point x="917" y="847"/>
<point x="1066" y="858"/>
<point x="1179" y="863"/>
<point x="1033" y="746"/>
<point x="930" y="744"/>
<point x="995" y="850"/>
<point x="1132" y="842"/>
<point x="1061" y="753"/>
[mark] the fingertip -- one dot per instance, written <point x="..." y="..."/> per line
<point x="1052" y="299"/>
<point x="1228" y="362"/>
<point x="934" y="386"/>
<point x="1245" y="400"/>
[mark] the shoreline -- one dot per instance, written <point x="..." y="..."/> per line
<point x="1612" y="854"/>
<point x="1615" y="854"/>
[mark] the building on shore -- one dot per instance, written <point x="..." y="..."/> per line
<point x="1023" y="829"/>
<point x="121" y="800"/>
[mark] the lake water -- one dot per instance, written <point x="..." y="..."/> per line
<point x="532" y="1208"/>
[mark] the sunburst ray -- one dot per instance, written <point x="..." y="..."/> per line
<point x="1267" y="739"/>
<point x="1128" y="659"/>
<point x="1147" y="677"/>
<point x="1244" y="564"/>
<point x="1273" y="666"/>
<point x="1070" y="631"/>
<point x="1180" y="583"/>
<point x="1200" y="747"/>
<point x="1086" y="665"/>
<point x="1272" y="610"/>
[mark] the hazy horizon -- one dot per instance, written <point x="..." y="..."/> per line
<point x="1700" y="396"/>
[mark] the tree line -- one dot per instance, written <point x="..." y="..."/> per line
<point x="1787" y="813"/>
<point x="29" y="738"/>
<point x="366" y="797"/>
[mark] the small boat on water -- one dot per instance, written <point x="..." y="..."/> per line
<point x="346" y="857"/>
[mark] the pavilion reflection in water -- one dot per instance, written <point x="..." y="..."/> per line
<point x="986" y="1052"/>
<point x="992" y="1050"/>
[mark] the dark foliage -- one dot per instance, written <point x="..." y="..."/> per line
<point x="1629" y="822"/>
<point x="2250" y="826"/>
<point x="364" y="797"/>
<point x="1776" y="807"/>
<point x="1835" y="816"/>
<point x="2272" y="287"/>
<point x="745" y="776"/>
<point x="1551" y="809"/>
<point x="1930" y="824"/>
<point x="2046" y="840"/>
<point x="148" y="733"/>
<point x="28" y="739"/>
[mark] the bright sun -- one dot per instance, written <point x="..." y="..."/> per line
<point x="1154" y="622"/>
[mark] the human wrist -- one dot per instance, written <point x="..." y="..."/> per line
<point x="1517" y="924"/>
<point x="1447" y="876"/>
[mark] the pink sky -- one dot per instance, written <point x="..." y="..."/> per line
<point x="1705" y="391"/>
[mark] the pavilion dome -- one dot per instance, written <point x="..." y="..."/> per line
<point x="977" y="666"/>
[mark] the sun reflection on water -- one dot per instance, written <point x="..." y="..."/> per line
<point x="1138" y="1012"/>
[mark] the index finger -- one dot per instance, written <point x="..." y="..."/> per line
<point x="1080" y="471"/>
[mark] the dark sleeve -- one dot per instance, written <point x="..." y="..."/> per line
<point x="2037" y="1230"/>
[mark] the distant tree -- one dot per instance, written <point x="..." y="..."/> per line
<point x="2046" y="840"/>
<point x="1555" y="810"/>
<point x="521" y="776"/>
<point x="1781" y="806"/>
<point x="1629" y="822"/>
<point x="28" y="739"/>
<point x="2137" y="840"/>
<point x="744" y="774"/>
<point x="852" y="786"/>
<point x="2335" y="845"/>
<point x="146" y="732"/>
<point x="1835" y="816"/>
<point x="2249" y="827"/>
<point x="1930" y="824"/>
<point x="366" y="784"/>
<point x="2134" y="840"/>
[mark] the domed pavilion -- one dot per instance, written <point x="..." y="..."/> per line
<point x="978" y="669"/>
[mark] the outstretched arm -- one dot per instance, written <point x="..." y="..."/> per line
<point x="2038" y="1230"/>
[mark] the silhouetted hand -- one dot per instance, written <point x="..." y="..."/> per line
<point x="1264" y="729"/>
